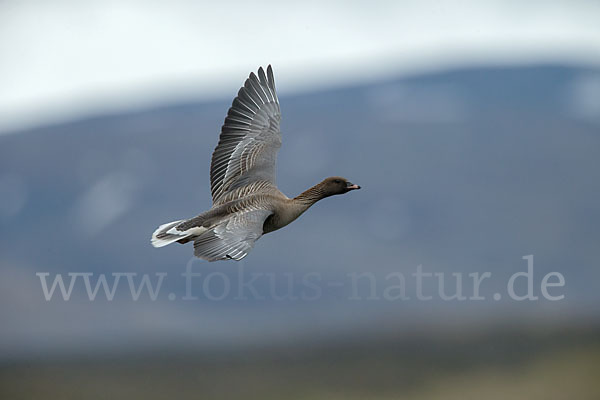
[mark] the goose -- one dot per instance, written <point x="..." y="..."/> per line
<point x="246" y="201"/>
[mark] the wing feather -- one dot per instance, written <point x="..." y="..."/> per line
<point x="250" y="137"/>
<point x="233" y="238"/>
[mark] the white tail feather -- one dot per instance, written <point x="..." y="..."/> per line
<point x="170" y="238"/>
<point x="169" y="233"/>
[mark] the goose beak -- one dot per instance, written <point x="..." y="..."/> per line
<point x="352" y="186"/>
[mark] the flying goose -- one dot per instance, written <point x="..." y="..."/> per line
<point x="246" y="201"/>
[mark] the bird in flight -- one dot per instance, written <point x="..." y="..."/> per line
<point x="246" y="200"/>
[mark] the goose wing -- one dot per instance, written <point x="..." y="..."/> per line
<point x="232" y="238"/>
<point x="250" y="138"/>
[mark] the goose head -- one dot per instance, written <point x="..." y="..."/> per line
<point x="337" y="185"/>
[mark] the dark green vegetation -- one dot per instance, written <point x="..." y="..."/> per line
<point x="505" y="364"/>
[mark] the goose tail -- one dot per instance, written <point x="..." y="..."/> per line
<point x="168" y="233"/>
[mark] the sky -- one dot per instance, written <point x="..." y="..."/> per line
<point x="67" y="59"/>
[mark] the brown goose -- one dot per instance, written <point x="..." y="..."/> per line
<point x="246" y="201"/>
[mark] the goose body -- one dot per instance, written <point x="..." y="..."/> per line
<point x="246" y="200"/>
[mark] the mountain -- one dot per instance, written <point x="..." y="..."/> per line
<point x="465" y="171"/>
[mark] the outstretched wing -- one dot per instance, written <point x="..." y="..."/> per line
<point x="250" y="137"/>
<point x="232" y="238"/>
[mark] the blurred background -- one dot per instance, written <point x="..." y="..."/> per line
<point x="472" y="126"/>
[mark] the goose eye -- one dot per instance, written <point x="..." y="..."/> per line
<point x="337" y="181"/>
